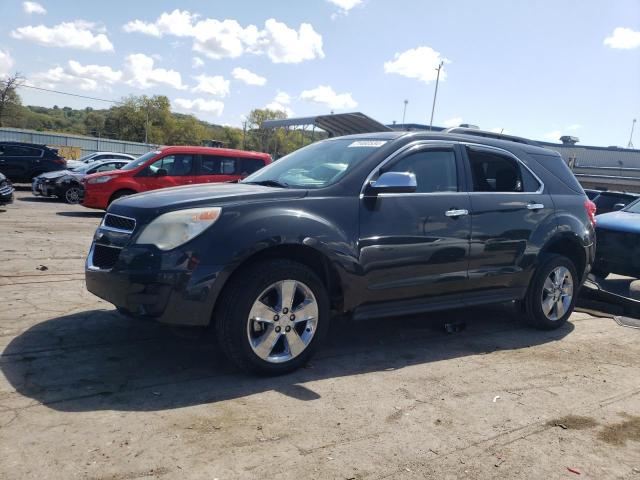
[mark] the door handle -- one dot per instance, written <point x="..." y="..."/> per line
<point x="535" y="206"/>
<point x="456" y="212"/>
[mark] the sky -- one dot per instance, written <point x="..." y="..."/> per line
<point x="536" y="68"/>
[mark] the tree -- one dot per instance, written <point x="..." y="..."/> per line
<point x="261" y="138"/>
<point x="9" y="98"/>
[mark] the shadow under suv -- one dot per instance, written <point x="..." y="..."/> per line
<point x="375" y="225"/>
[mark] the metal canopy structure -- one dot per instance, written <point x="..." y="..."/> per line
<point x="335" y="124"/>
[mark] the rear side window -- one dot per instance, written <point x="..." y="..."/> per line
<point x="218" y="165"/>
<point x="494" y="172"/>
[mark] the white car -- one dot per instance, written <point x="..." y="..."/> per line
<point x="96" y="156"/>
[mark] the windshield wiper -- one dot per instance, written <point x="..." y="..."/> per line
<point x="269" y="183"/>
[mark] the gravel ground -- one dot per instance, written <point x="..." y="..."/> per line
<point x="85" y="393"/>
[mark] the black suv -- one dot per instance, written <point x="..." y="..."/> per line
<point x="375" y="225"/>
<point x="21" y="162"/>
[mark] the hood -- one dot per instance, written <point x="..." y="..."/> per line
<point x="167" y="199"/>
<point x="56" y="174"/>
<point x="110" y="173"/>
<point x="620" y="221"/>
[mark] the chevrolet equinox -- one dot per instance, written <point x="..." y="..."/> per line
<point x="374" y="225"/>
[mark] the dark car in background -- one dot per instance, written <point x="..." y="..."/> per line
<point x="6" y="190"/>
<point x="618" y="236"/>
<point x="377" y="225"/>
<point x="22" y="162"/>
<point x="66" y="184"/>
<point x="608" y="201"/>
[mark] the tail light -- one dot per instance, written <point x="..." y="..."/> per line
<point x="60" y="161"/>
<point x="590" y="207"/>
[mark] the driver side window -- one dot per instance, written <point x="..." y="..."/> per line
<point x="435" y="170"/>
<point x="175" y="165"/>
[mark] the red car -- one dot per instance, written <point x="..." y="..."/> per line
<point x="170" y="167"/>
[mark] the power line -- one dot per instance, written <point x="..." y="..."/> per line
<point x="66" y="93"/>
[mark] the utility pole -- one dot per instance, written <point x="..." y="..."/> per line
<point x="146" y="124"/>
<point x="435" y="95"/>
<point x="633" y="124"/>
<point x="244" y="135"/>
<point x="404" y="112"/>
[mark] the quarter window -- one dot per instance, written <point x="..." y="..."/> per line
<point x="435" y="170"/>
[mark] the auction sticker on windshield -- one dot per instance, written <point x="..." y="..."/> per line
<point x="368" y="143"/>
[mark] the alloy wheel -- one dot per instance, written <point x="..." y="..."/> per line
<point x="72" y="195"/>
<point x="282" y="321"/>
<point x="557" y="293"/>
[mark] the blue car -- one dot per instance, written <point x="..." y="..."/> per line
<point x="618" y="242"/>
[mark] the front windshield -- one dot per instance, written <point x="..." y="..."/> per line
<point x="140" y="160"/>
<point x="633" y="207"/>
<point x="84" y="158"/>
<point x="317" y="165"/>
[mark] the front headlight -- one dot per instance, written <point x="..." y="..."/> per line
<point x="104" y="179"/>
<point x="175" y="228"/>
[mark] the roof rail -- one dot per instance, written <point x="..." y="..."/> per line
<point x="484" y="133"/>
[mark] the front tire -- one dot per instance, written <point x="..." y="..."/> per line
<point x="72" y="195"/>
<point x="272" y="316"/>
<point x="552" y="293"/>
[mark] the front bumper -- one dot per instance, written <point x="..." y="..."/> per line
<point x="170" y="287"/>
<point x="42" y="188"/>
<point x="6" y="193"/>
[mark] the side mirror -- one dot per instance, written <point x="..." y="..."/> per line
<point x="162" y="172"/>
<point x="618" y="206"/>
<point x="394" y="182"/>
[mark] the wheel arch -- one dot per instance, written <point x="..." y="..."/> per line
<point x="311" y="257"/>
<point x="569" y="246"/>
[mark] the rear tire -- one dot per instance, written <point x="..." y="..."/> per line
<point x="256" y="323"/>
<point x="552" y="293"/>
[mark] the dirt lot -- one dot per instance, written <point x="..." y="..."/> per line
<point x="85" y="393"/>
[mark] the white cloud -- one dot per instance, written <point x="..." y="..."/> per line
<point x="84" y="77"/>
<point x="138" y="26"/>
<point x="77" y="34"/>
<point x="286" y="45"/>
<point x="178" y="23"/>
<point x="213" y="107"/>
<point x="574" y="127"/>
<point x="420" y="63"/>
<point x="554" y="135"/>
<point x="280" y="103"/>
<point x="278" y="107"/>
<point x="139" y="72"/>
<point x="283" y="97"/>
<point x="453" y="122"/>
<point x="623" y="38"/>
<point x="197" y="62"/>
<point x="248" y="76"/>
<point x="213" y="85"/>
<point x="345" y="5"/>
<point x="6" y="63"/>
<point x="325" y="95"/>
<point x="33" y="7"/>
<point x="228" y="39"/>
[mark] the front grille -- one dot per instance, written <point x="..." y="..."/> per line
<point x="5" y="188"/>
<point x="121" y="223"/>
<point x="105" y="257"/>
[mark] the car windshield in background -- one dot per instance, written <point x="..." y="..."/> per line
<point x="140" y="160"/>
<point x="633" y="207"/>
<point x="317" y="165"/>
